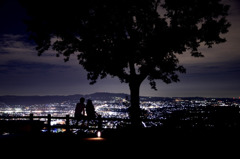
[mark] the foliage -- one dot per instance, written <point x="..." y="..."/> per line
<point x="125" y="38"/>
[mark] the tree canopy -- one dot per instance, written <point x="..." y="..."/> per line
<point x="133" y="40"/>
<point x="123" y="38"/>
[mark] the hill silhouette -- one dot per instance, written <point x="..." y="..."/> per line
<point x="29" y="100"/>
<point x="102" y="96"/>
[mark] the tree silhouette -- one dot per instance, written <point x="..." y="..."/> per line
<point x="133" y="40"/>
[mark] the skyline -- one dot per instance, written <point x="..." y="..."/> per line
<point x="22" y="72"/>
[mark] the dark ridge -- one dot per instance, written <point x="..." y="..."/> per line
<point x="30" y="100"/>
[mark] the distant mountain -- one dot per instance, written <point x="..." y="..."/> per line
<point x="106" y="96"/>
<point x="30" y="100"/>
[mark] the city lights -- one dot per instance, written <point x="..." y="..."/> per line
<point x="117" y="109"/>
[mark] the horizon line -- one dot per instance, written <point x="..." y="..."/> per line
<point x="235" y="97"/>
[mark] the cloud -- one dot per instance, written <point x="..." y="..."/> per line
<point x="13" y="43"/>
<point x="19" y="48"/>
<point x="28" y="67"/>
<point x="22" y="71"/>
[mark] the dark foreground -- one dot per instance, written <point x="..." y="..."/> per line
<point x="125" y="142"/>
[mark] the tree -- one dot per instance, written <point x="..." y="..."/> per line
<point x="132" y="40"/>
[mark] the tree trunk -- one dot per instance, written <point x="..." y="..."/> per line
<point x="135" y="110"/>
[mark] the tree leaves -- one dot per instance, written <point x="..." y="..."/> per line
<point x="135" y="39"/>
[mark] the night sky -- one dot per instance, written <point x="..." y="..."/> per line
<point x="22" y="72"/>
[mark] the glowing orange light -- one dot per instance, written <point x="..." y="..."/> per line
<point x="94" y="139"/>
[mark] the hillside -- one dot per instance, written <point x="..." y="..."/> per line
<point x="103" y="96"/>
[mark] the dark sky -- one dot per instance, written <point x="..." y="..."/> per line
<point x="22" y="72"/>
